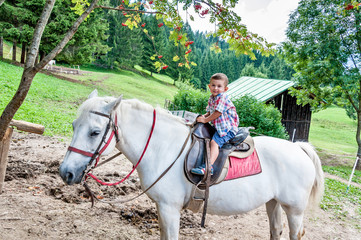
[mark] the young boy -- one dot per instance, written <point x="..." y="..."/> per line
<point x="222" y="114"/>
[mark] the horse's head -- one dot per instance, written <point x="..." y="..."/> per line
<point x="89" y="137"/>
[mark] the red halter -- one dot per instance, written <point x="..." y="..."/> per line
<point x="96" y="155"/>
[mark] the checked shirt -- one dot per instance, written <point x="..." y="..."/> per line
<point x="228" y="121"/>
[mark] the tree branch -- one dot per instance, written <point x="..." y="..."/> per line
<point x="357" y="109"/>
<point x="350" y="53"/>
<point x="66" y="38"/>
<point x="38" y="32"/>
<point x="126" y="10"/>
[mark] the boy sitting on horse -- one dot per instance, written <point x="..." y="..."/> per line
<point x="222" y="114"/>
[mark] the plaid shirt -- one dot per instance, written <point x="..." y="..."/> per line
<point x="228" y="121"/>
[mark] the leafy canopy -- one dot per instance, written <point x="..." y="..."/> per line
<point x="324" y="46"/>
<point x="229" y="26"/>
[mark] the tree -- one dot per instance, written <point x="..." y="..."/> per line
<point x="154" y="32"/>
<point x="239" y="38"/>
<point x="324" y="47"/>
<point x="250" y="71"/>
<point x="18" y="19"/>
<point x="30" y="68"/>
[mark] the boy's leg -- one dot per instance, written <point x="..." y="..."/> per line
<point x="214" y="151"/>
<point x="200" y="170"/>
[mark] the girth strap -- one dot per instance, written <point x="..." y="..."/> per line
<point x="207" y="179"/>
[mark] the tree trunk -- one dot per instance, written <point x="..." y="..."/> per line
<point x="1" y="47"/>
<point x="14" y="50"/>
<point x="17" y="100"/>
<point x="358" y="138"/>
<point x="1" y="2"/>
<point x="23" y="53"/>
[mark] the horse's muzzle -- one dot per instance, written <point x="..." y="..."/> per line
<point x="71" y="176"/>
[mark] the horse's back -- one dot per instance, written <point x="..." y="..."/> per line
<point x="288" y="166"/>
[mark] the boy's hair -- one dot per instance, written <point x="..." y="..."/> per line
<point x="220" y="76"/>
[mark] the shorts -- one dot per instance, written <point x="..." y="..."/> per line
<point x="222" y="140"/>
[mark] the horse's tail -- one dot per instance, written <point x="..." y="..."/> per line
<point x="318" y="185"/>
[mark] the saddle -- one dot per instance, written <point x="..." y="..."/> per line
<point x="197" y="154"/>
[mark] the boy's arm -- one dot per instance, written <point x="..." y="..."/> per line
<point x="208" y="117"/>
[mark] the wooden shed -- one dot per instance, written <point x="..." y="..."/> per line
<point x="295" y="118"/>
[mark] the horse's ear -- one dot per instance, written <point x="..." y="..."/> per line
<point x="117" y="102"/>
<point x="93" y="94"/>
<point x="114" y="104"/>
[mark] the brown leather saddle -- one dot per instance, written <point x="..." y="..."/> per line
<point x="197" y="154"/>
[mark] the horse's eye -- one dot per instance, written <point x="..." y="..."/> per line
<point x="95" y="133"/>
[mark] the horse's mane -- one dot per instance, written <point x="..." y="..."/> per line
<point x="95" y="103"/>
<point x="135" y="103"/>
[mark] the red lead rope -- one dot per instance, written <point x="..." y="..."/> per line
<point x="134" y="167"/>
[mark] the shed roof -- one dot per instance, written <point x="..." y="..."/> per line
<point x="260" y="88"/>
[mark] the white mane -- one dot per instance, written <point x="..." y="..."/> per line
<point x="97" y="103"/>
<point x="135" y="103"/>
<point x="94" y="104"/>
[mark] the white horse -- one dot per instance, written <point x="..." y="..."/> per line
<point x="291" y="172"/>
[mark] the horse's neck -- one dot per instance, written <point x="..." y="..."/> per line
<point x="164" y="146"/>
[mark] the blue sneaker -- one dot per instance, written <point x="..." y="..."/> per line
<point x="201" y="170"/>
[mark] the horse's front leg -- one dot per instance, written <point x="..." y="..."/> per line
<point x="169" y="219"/>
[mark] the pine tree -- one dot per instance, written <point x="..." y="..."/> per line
<point x="151" y="47"/>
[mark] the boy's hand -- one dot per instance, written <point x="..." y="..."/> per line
<point x="208" y="117"/>
<point x="201" y="119"/>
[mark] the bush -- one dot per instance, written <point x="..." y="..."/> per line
<point x="190" y="99"/>
<point x="265" y="118"/>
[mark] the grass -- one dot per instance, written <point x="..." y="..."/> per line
<point x="50" y="101"/>
<point x="343" y="172"/>
<point x="333" y="132"/>
<point x="153" y="90"/>
<point x="346" y="207"/>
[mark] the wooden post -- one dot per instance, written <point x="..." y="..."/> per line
<point x="4" y="149"/>
<point x="5" y="143"/>
<point x="23" y="53"/>
<point x="14" y="50"/>
<point x="1" y="47"/>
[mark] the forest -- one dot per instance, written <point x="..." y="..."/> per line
<point x="106" y="41"/>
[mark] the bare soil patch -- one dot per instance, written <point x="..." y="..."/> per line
<point x="36" y="204"/>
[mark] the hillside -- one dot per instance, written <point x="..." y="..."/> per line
<point x="53" y="102"/>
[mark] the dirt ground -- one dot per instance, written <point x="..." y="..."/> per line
<point x="36" y="204"/>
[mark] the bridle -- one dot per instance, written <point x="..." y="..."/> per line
<point x="99" y="150"/>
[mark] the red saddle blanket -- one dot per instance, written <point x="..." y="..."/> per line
<point x="243" y="167"/>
